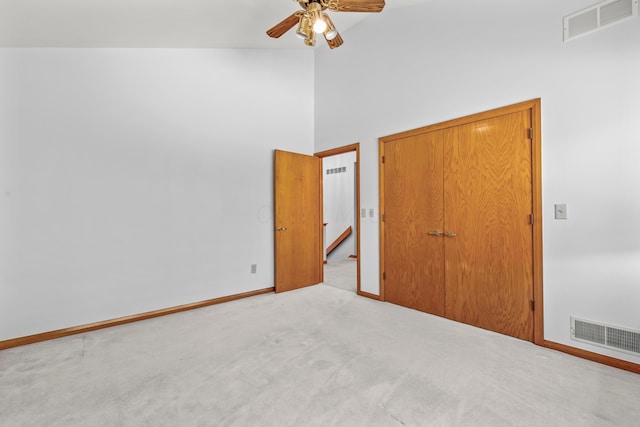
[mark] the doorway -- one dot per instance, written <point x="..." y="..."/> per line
<point x="341" y="221"/>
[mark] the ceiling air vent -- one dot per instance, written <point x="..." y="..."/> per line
<point x="598" y="16"/>
<point x="609" y="336"/>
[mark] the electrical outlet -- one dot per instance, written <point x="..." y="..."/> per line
<point x="254" y="268"/>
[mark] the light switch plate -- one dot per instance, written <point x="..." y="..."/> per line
<point x="561" y="211"/>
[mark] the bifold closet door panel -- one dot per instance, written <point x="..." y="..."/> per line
<point x="414" y="257"/>
<point x="487" y="206"/>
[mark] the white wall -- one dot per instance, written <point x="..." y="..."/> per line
<point x="411" y="67"/>
<point x="139" y="179"/>
<point x="338" y="202"/>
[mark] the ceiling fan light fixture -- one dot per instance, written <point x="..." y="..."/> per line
<point x="330" y="32"/>
<point x="304" y="27"/>
<point x="311" y="40"/>
<point x="312" y="20"/>
<point x="315" y="11"/>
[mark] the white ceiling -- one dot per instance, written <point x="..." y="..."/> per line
<point x="155" y="23"/>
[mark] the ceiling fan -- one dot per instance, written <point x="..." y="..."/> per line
<point x="313" y="20"/>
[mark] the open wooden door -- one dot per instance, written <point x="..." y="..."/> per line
<point x="297" y="220"/>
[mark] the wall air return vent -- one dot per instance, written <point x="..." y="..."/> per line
<point x="614" y="337"/>
<point x="598" y="16"/>
<point x="336" y="170"/>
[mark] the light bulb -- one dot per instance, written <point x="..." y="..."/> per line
<point x="319" y="26"/>
<point x="331" y="34"/>
<point x="315" y="13"/>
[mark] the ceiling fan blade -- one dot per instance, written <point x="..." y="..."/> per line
<point x="357" y="5"/>
<point x="335" y="42"/>
<point x="284" y="25"/>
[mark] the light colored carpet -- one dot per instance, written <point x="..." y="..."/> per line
<point x="318" y="356"/>
<point x="342" y="273"/>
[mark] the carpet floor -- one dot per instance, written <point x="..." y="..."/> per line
<point x="319" y="356"/>
<point x="342" y="273"/>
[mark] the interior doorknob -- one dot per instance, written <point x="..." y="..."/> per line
<point x="435" y="233"/>
<point x="281" y="228"/>
<point x="450" y="234"/>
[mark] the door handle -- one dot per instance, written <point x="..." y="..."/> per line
<point x="450" y="234"/>
<point x="435" y="233"/>
<point x="281" y="228"/>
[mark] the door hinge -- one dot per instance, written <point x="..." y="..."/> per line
<point x="532" y="219"/>
<point x="382" y="217"/>
<point x="384" y="275"/>
<point x="533" y="305"/>
<point x="530" y="133"/>
<point x="382" y="159"/>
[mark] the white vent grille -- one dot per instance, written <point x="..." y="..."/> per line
<point x="609" y="336"/>
<point x="598" y="16"/>
<point x="336" y="170"/>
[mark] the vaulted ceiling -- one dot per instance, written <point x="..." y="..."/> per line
<point x="156" y="23"/>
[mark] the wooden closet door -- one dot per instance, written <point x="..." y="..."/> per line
<point x="413" y="242"/>
<point x="487" y="208"/>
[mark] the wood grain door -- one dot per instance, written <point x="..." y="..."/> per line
<point x="488" y="202"/>
<point x="297" y="220"/>
<point x="413" y="222"/>
<point x="490" y="253"/>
